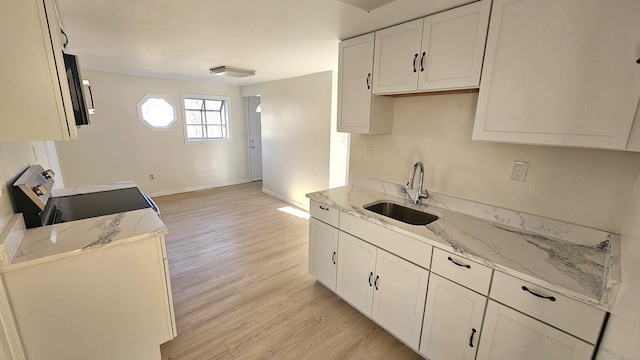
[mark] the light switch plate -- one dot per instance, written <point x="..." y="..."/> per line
<point x="519" y="171"/>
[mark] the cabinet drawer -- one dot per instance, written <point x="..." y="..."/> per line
<point x="414" y="250"/>
<point x="567" y="314"/>
<point x="465" y="272"/>
<point x="324" y="213"/>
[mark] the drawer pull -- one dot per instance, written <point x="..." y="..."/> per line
<point x="473" y="332"/>
<point x="370" y="275"/>
<point x="324" y="208"/>
<point x="457" y="263"/>
<point x="552" y="298"/>
<point x="333" y="258"/>
<point x="375" y="283"/>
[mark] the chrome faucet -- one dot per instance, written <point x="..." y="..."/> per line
<point x="419" y="195"/>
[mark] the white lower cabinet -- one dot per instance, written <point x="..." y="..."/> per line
<point x="508" y="334"/>
<point x="452" y="321"/>
<point x="383" y="286"/>
<point x="110" y="303"/>
<point x="323" y="247"/>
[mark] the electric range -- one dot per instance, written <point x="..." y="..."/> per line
<point x="32" y="194"/>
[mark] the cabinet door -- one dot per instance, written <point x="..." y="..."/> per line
<point x="35" y="98"/>
<point x="452" y="321"/>
<point x="398" y="303"/>
<point x="356" y="272"/>
<point x="560" y="73"/>
<point x="397" y="58"/>
<point x="355" y="63"/>
<point x="453" y="47"/>
<point x="508" y="334"/>
<point x="323" y="247"/>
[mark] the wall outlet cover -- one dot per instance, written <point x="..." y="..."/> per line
<point x="519" y="171"/>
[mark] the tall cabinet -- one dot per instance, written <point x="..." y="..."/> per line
<point x="560" y="73"/>
<point x="358" y="110"/>
<point x="35" y="98"/>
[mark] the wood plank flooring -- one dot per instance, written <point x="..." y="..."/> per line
<point x="242" y="290"/>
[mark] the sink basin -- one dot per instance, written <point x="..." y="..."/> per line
<point x="401" y="213"/>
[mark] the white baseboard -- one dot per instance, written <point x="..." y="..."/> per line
<point x="305" y="207"/>
<point x="197" y="188"/>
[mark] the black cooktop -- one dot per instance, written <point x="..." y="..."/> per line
<point x="84" y="206"/>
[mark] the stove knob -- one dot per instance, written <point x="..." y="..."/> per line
<point x="48" y="174"/>
<point x="40" y="190"/>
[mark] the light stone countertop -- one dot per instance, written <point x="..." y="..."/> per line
<point x="48" y="243"/>
<point x="575" y="261"/>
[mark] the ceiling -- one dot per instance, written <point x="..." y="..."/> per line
<point x="183" y="39"/>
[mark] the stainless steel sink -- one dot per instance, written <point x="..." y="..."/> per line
<point x="401" y="213"/>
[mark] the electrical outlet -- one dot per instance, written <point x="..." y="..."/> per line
<point x="367" y="150"/>
<point x="152" y="177"/>
<point x="519" y="171"/>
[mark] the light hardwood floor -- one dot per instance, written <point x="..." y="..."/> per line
<point x="242" y="290"/>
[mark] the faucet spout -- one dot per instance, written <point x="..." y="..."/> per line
<point x="419" y="195"/>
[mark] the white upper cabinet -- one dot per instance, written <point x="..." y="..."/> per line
<point x="358" y="110"/>
<point x="440" y="52"/>
<point x="560" y="73"/>
<point x="35" y="98"/>
<point x="397" y="58"/>
<point x="453" y="48"/>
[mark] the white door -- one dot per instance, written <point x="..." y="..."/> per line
<point x="323" y="247"/>
<point x="508" y="334"/>
<point x="356" y="272"/>
<point x="452" y="321"/>
<point x="453" y="43"/>
<point x="398" y="303"/>
<point x="255" y="137"/>
<point x="355" y="59"/>
<point x="397" y="58"/>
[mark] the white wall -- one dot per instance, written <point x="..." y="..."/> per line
<point x="296" y="126"/>
<point x="621" y="339"/>
<point x="116" y="146"/>
<point x="586" y="187"/>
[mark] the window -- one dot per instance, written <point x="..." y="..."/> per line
<point x="206" y="118"/>
<point x="156" y="112"/>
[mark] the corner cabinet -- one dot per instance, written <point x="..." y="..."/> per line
<point x="358" y="110"/>
<point x="440" y="52"/>
<point x="35" y="99"/>
<point x="560" y="73"/>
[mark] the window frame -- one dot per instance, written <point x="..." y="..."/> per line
<point x="164" y="97"/>
<point x="227" y="103"/>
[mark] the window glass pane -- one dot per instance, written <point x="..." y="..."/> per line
<point x="195" y="132"/>
<point x="213" y="117"/>
<point x="214" y="132"/>
<point x="194" y="104"/>
<point x="157" y="112"/>
<point x="206" y="119"/>
<point x="214" y="105"/>
<point x="193" y="117"/>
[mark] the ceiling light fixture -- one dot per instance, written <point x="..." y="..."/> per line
<point x="366" y="5"/>
<point x="231" y="71"/>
